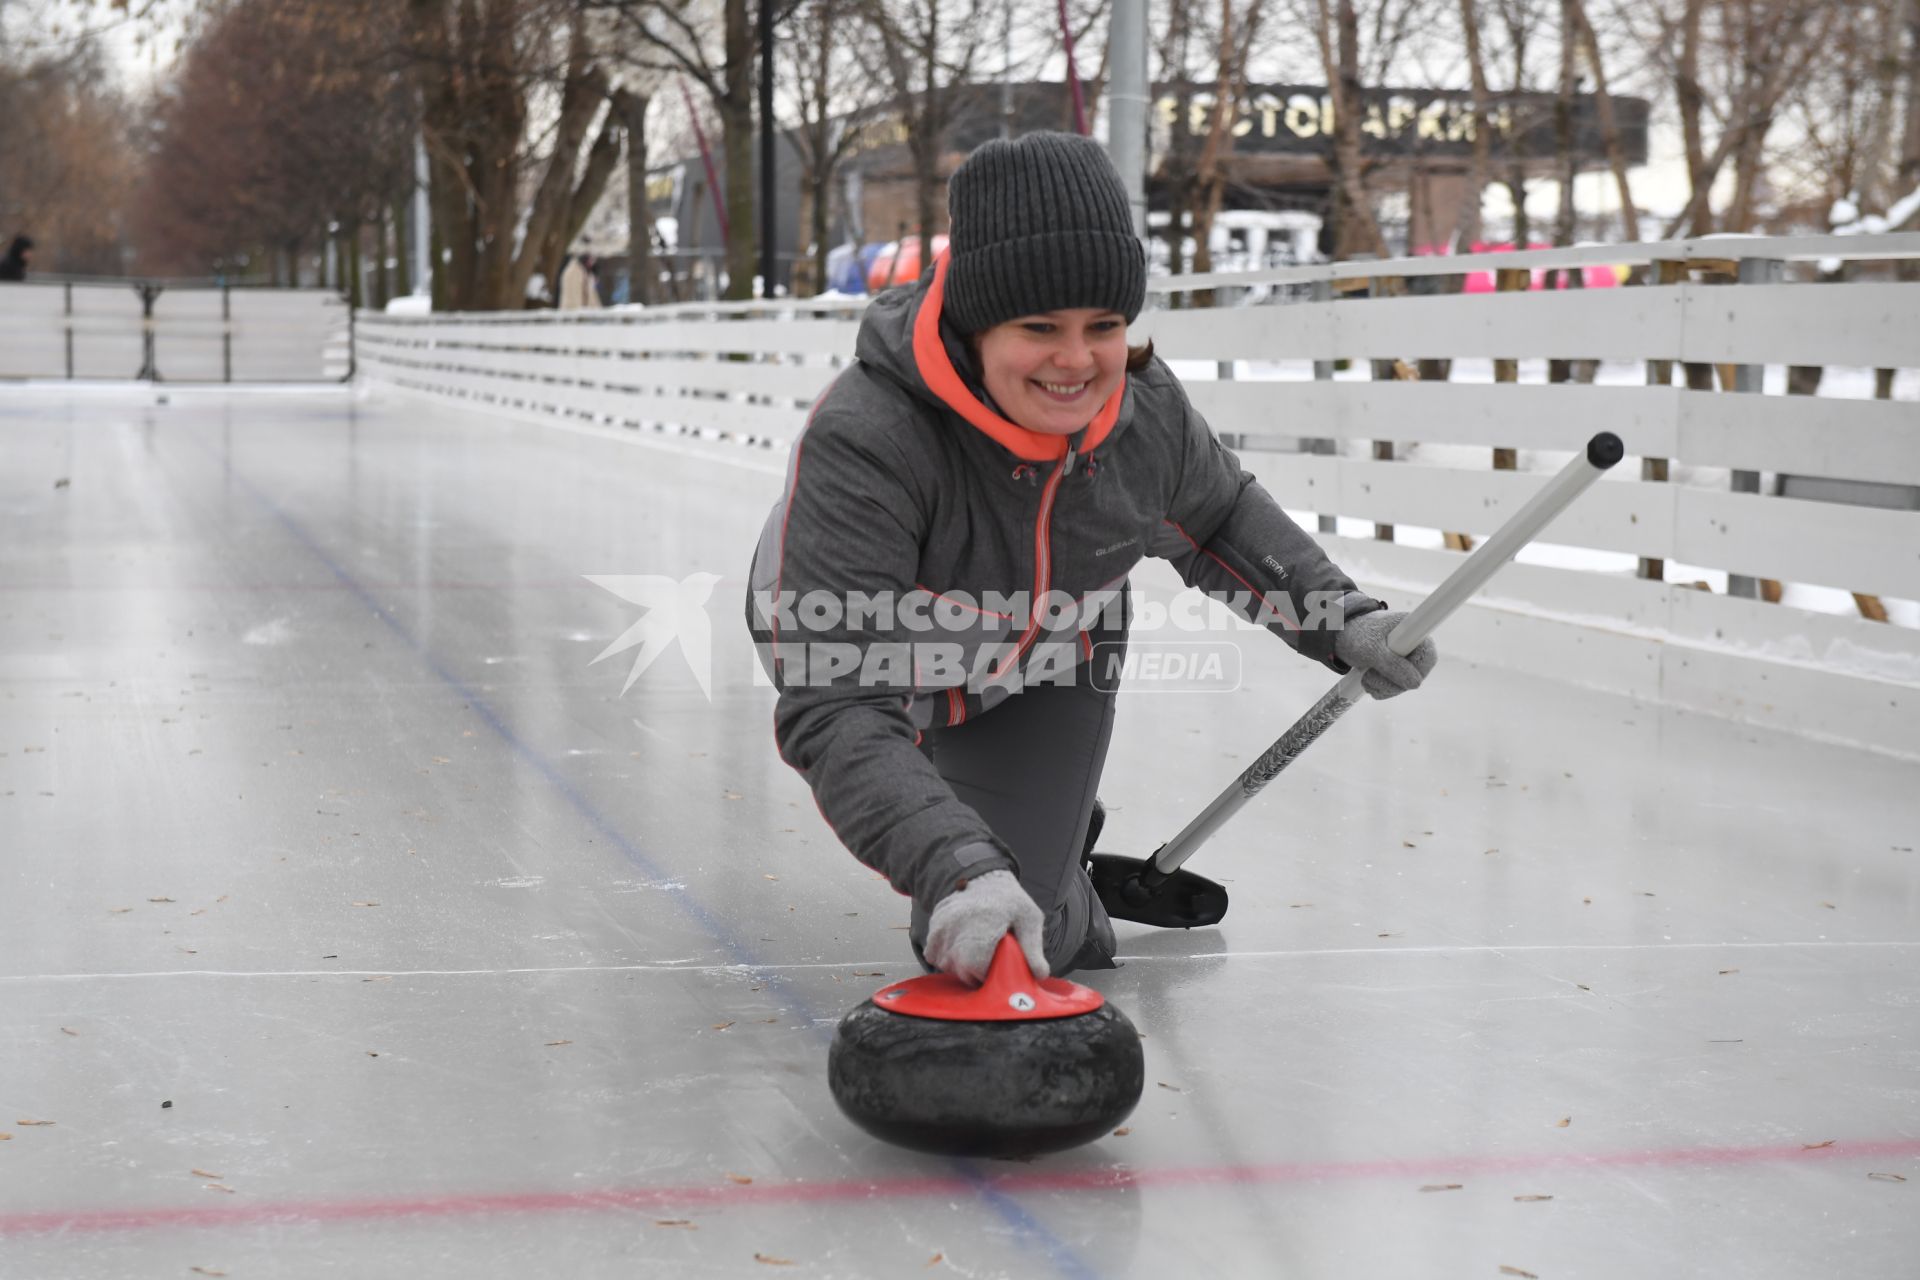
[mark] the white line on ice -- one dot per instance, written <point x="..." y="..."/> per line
<point x="671" y="967"/>
<point x="1500" y="949"/>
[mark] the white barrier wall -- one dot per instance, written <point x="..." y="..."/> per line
<point x="733" y="377"/>
<point x="194" y="333"/>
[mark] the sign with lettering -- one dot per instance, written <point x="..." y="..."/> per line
<point x="1396" y="123"/>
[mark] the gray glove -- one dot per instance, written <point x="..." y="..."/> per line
<point x="966" y="927"/>
<point x="1363" y="643"/>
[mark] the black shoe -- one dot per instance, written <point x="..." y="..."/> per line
<point x="1095" y="821"/>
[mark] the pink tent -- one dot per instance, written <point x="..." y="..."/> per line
<point x="1600" y="277"/>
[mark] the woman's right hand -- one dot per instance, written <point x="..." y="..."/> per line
<point x="967" y="925"/>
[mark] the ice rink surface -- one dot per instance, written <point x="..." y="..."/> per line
<point x="354" y="923"/>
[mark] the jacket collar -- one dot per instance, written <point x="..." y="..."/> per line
<point x="936" y="368"/>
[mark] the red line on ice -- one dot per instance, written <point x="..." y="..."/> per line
<point x="248" y="588"/>
<point x="669" y="1199"/>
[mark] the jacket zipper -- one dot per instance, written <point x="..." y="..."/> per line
<point x="1042" y="563"/>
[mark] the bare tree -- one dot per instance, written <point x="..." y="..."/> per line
<point x="1603" y="106"/>
<point x="679" y="37"/>
<point x="1173" y="55"/>
<point x="506" y="198"/>
<point x="1236" y="42"/>
<point x="67" y="160"/>
<point x="822" y="40"/>
<point x="1469" y="232"/>
<point x="925" y="47"/>
<point x="1356" y="230"/>
<point x="1520" y="20"/>
<point x="1733" y="62"/>
<point x="253" y="158"/>
<point x="1909" y="173"/>
<point x="1568" y="166"/>
<point x="1845" y="116"/>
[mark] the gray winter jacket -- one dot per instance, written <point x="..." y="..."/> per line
<point x="929" y="556"/>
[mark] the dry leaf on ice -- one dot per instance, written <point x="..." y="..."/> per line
<point x="740" y="1178"/>
<point x="1443" y="1186"/>
<point x="69" y="1031"/>
<point x="1122" y="1131"/>
<point x="1816" y="1146"/>
<point x="1515" y="1271"/>
<point x="675" y="1222"/>
<point x="1563" y="1122"/>
<point x="35" y="1124"/>
<point x="205" y="1271"/>
<point x="936" y="1259"/>
<point x="1532" y="1199"/>
<point x="1888" y="1177"/>
<point x="202" y="1173"/>
<point x="721" y="1026"/>
<point x="555" y="1044"/>
<point x="772" y="1261"/>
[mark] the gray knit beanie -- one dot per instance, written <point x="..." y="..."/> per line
<point x="1040" y="223"/>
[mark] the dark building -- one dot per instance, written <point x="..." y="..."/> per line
<point x="1418" y="142"/>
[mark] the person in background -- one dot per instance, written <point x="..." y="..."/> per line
<point x="578" y="289"/>
<point x="14" y="266"/>
<point x="998" y="438"/>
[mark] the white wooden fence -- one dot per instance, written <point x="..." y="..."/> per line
<point x="83" y="330"/>
<point x="1351" y="454"/>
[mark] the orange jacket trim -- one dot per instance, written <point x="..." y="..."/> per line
<point x="930" y="354"/>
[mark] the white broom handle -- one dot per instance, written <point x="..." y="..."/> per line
<point x="1487" y="559"/>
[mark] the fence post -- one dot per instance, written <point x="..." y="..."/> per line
<point x="1223" y="371"/>
<point x="1322" y="291"/>
<point x="1506" y="280"/>
<point x="1659" y="374"/>
<point x="226" y="334"/>
<point x="69" y="330"/>
<point x="1383" y="371"/>
<point x="149" y="367"/>
<point x="1509" y="280"/>
<point x="1750" y="379"/>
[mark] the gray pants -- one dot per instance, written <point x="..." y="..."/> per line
<point x="1030" y="768"/>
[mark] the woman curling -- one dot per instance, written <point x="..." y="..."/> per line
<point x="940" y="595"/>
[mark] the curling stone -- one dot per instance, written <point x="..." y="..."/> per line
<point x="1015" y="1067"/>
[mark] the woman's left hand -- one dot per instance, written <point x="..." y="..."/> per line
<point x="1363" y="643"/>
